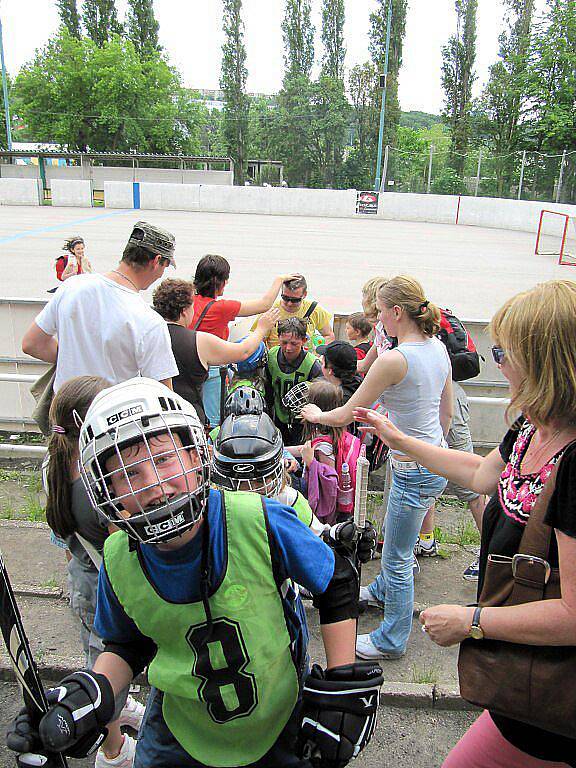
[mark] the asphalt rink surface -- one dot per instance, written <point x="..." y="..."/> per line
<point x="405" y="738"/>
<point x="470" y="269"/>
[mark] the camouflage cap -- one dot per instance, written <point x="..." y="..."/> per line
<point x="154" y="239"/>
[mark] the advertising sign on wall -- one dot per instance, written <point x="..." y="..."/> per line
<point x="367" y="202"/>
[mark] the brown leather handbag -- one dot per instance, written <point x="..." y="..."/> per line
<point x="530" y="683"/>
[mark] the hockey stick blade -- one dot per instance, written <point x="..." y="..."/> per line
<point x="19" y="652"/>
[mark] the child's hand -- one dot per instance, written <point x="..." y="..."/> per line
<point x="307" y="453"/>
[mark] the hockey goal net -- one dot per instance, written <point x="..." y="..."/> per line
<point x="557" y="237"/>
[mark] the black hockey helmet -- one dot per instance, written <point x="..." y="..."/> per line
<point x="248" y="455"/>
<point x="244" y="400"/>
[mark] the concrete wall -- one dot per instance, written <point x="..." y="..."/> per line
<point x="118" y="194"/>
<point x="171" y="197"/>
<point x="441" y="209"/>
<point x="76" y="194"/>
<point x="522" y="215"/>
<point x="19" y="192"/>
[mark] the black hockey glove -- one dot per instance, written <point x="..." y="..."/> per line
<point x="339" y="712"/>
<point x="349" y="540"/>
<point x="80" y="707"/>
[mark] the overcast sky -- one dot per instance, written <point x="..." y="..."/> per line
<point x="190" y="31"/>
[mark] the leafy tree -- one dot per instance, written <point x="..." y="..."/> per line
<point x="364" y="95"/>
<point x="69" y="16"/>
<point x="101" y="20"/>
<point x="330" y="119"/>
<point x="458" y="58"/>
<point x="298" y="34"/>
<point x="233" y="82"/>
<point x="106" y="98"/>
<point x="378" y="24"/>
<point x="142" y="26"/>
<point x="333" y="17"/>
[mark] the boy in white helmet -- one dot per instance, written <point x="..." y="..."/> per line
<point x="197" y="585"/>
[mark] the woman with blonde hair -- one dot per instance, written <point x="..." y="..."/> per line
<point x="534" y="336"/>
<point x="413" y="383"/>
<point x="369" y="305"/>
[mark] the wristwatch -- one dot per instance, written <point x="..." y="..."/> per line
<point x="476" y="632"/>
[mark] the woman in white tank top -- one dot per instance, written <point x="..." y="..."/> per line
<point x="414" y="384"/>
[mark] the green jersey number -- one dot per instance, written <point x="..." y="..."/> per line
<point x="227" y="689"/>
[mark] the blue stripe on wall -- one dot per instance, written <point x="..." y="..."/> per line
<point x="136" y="193"/>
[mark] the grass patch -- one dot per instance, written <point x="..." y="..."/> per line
<point x="465" y="534"/>
<point x="32" y="481"/>
<point x="425" y="674"/>
<point x="51" y="583"/>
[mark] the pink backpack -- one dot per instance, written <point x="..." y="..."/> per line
<point x="349" y="450"/>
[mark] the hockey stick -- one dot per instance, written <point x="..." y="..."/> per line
<point x="361" y="496"/>
<point x="19" y="651"/>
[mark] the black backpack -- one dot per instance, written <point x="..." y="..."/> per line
<point x="461" y="349"/>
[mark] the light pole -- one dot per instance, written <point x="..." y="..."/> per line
<point x="5" y="90"/>
<point x="383" y="85"/>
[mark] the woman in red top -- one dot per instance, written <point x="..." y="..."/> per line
<point x="74" y="261"/>
<point x="212" y="314"/>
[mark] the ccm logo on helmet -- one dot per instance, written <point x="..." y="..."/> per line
<point x="127" y="412"/>
<point x="243" y="469"/>
<point x="165" y="525"/>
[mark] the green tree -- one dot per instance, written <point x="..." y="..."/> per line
<point x="333" y="18"/>
<point x="101" y="20"/>
<point x="298" y="35"/>
<point x="233" y="77"/>
<point x="378" y="24"/>
<point x="69" y="16"/>
<point x="106" y="98"/>
<point x="364" y="95"/>
<point x="458" y="57"/>
<point x="142" y="26"/>
<point x="505" y="99"/>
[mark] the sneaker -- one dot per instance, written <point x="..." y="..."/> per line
<point x="132" y="714"/>
<point x="415" y="566"/>
<point x="365" y="649"/>
<point x="124" y="760"/>
<point x="427" y="550"/>
<point x="367" y="597"/>
<point x="471" y="573"/>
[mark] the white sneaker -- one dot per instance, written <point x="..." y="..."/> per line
<point x="365" y="649"/>
<point x="367" y="597"/>
<point x="132" y="714"/>
<point x="124" y="760"/>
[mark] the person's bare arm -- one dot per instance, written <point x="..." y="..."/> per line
<point x="327" y="333"/>
<point x="388" y="370"/>
<point x="115" y="669"/>
<point x="363" y="366"/>
<point x="256" y="306"/>
<point x="339" y="642"/>
<point x="478" y="473"/>
<point x="40" y="345"/>
<point x="447" y="406"/>
<point x="70" y="269"/>
<point x="215" y="351"/>
<point x="167" y="383"/>
<point x="543" y="622"/>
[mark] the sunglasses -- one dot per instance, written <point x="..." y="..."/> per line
<point x="498" y="354"/>
<point x="291" y="299"/>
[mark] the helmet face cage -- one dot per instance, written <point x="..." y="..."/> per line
<point x="243" y="475"/>
<point x="296" y="398"/>
<point x="169" y="517"/>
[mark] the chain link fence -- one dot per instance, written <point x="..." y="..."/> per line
<point x="519" y="175"/>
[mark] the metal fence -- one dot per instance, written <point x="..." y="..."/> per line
<point x="519" y="175"/>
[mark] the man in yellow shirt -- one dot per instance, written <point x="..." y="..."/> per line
<point x="293" y="303"/>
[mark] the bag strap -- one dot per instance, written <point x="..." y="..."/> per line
<point x="309" y="311"/>
<point x="202" y="315"/>
<point x="530" y="577"/>
<point x="91" y="551"/>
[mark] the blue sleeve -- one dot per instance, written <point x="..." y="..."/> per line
<point x="308" y="560"/>
<point x="112" y="623"/>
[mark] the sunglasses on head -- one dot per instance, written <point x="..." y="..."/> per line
<point x="291" y="299"/>
<point x="498" y="354"/>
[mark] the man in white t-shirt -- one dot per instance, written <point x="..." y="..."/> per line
<point x="99" y="325"/>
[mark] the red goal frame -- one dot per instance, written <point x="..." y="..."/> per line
<point x="562" y="254"/>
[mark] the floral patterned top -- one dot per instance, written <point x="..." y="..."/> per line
<point x="518" y="492"/>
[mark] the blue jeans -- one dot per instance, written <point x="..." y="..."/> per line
<point x="211" y="395"/>
<point x="411" y="494"/>
<point x="157" y="747"/>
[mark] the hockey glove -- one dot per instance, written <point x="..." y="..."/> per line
<point x="339" y="712"/>
<point x="350" y="540"/>
<point x="74" y="725"/>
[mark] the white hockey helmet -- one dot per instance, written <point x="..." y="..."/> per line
<point x="134" y="412"/>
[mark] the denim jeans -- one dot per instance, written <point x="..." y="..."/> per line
<point x="211" y="395"/>
<point x="411" y="494"/>
<point x="157" y="747"/>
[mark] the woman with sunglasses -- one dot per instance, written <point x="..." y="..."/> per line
<point x="413" y="383"/>
<point x="212" y="314"/>
<point x="534" y="336"/>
